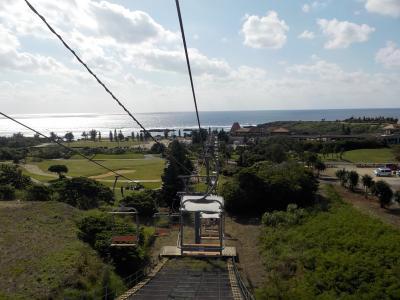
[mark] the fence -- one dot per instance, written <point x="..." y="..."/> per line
<point x="245" y="292"/>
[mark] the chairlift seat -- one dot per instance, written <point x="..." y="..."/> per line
<point x="124" y="240"/>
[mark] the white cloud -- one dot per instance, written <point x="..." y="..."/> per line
<point x="389" y="56"/>
<point x="343" y="34"/>
<point x="264" y="32"/>
<point x="306" y="8"/>
<point x="307" y="35"/>
<point x="315" y="5"/>
<point x="384" y="7"/>
<point x="127" y="26"/>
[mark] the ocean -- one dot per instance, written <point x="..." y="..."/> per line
<point x="79" y="122"/>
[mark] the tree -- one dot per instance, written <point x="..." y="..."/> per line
<point x="166" y="134"/>
<point x="310" y="158"/>
<point x="59" y="169"/>
<point x="266" y="187"/>
<point x="11" y="175"/>
<point x="353" y="178"/>
<point x="157" y="148"/>
<point x="99" y="136"/>
<point x="7" y="192"/>
<point x="179" y="133"/>
<point x="319" y="166"/>
<point x="382" y="190"/>
<point x="178" y="164"/>
<point x="342" y="176"/>
<point x="367" y="182"/>
<point x="143" y="201"/>
<point x="93" y="134"/>
<point x="132" y="136"/>
<point x="397" y="196"/>
<point x="223" y="136"/>
<point x="110" y="136"/>
<point x="69" y="137"/>
<point x="115" y="135"/>
<point x="53" y="136"/>
<point x="38" y="193"/>
<point x="120" y="136"/>
<point x="84" y="135"/>
<point x="82" y="192"/>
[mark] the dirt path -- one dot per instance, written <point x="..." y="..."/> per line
<point x="245" y="236"/>
<point x="34" y="169"/>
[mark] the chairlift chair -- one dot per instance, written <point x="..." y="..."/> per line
<point x="125" y="240"/>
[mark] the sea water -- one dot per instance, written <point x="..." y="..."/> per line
<point x="79" y="122"/>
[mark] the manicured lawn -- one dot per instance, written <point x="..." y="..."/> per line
<point x="370" y="155"/>
<point x="139" y="169"/>
<point x="103" y="143"/>
<point x="112" y="156"/>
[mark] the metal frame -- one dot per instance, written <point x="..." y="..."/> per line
<point x="198" y="246"/>
<point x="127" y="211"/>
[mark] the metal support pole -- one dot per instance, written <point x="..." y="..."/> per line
<point x="181" y="230"/>
<point x="197" y="225"/>
<point x="220" y="233"/>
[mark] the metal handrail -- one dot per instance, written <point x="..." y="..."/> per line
<point x="243" y="289"/>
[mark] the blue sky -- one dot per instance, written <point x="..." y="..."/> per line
<point x="246" y="55"/>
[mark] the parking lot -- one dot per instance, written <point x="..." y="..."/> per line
<point x="393" y="181"/>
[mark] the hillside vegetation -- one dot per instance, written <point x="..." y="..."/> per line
<point x="42" y="257"/>
<point x="329" y="252"/>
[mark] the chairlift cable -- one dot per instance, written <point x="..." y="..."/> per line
<point x="66" y="147"/>
<point x="99" y="81"/>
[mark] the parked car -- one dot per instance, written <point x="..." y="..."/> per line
<point x="383" y="172"/>
<point x="398" y="173"/>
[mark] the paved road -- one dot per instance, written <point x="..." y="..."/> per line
<point x="393" y="181"/>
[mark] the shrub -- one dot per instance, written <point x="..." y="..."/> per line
<point x="82" y="192"/>
<point x="266" y="187"/>
<point x="10" y="174"/>
<point x="143" y="201"/>
<point x="339" y="254"/>
<point x="59" y="169"/>
<point x="7" y="192"/>
<point x="97" y="229"/>
<point x="38" y="193"/>
<point x="382" y="190"/>
<point x="292" y="216"/>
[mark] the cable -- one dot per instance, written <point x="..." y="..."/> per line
<point x="188" y="64"/>
<point x="99" y="81"/>
<point x="66" y="147"/>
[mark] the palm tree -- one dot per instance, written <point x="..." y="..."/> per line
<point x="367" y="182"/>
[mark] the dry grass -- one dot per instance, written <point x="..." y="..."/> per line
<point x="40" y="252"/>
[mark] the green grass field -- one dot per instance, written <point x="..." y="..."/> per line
<point x="112" y="156"/>
<point x="138" y="169"/>
<point x="370" y="155"/>
<point x="42" y="257"/>
<point x="103" y="143"/>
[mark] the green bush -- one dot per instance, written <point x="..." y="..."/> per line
<point x="143" y="201"/>
<point x="335" y="254"/>
<point x="7" y="192"/>
<point x="38" y="193"/>
<point x="97" y="230"/>
<point x="267" y="187"/>
<point x="292" y="216"/>
<point x="82" y="192"/>
<point x="10" y="174"/>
